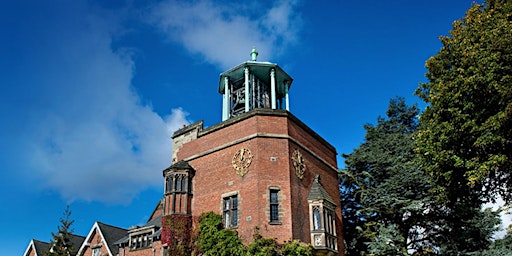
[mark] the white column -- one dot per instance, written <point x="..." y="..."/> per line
<point x="225" y="100"/>
<point x="287" y="98"/>
<point x="273" y="88"/>
<point x="246" y="89"/>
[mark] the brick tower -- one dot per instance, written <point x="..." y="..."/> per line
<point x="260" y="167"/>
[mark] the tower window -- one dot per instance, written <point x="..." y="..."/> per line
<point x="230" y="211"/>
<point x="316" y="219"/>
<point x="168" y="185"/>
<point x="274" y="205"/>
<point x="178" y="183"/>
<point x="183" y="184"/>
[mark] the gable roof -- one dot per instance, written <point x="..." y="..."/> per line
<point x="159" y="210"/>
<point x="108" y="233"/>
<point x="112" y="234"/>
<point x="39" y="247"/>
<point x="76" y="242"/>
<point x="318" y="192"/>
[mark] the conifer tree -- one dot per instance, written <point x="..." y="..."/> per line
<point x="61" y="241"/>
<point x="386" y="206"/>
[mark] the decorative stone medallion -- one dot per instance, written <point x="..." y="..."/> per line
<point x="241" y="161"/>
<point x="318" y="240"/>
<point x="298" y="163"/>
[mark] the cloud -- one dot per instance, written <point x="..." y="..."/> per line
<point x="74" y="123"/>
<point x="78" y="124"/>
<point x="224" y="33"/>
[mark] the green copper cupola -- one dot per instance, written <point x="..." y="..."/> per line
<point x="254" y="84"/>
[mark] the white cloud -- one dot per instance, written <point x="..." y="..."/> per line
<point x="224" y="33"/>
<point x="74" y="119"/>
<point x="87" y="135"/>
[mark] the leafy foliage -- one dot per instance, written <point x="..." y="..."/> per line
<point x="296" y="248"/>
<point x="466" y="139"/>
<point x="213" y="239"/>
<point x="386" y="206"/>
<point x="61" y="244"/>
<point x="262" y="246"/>
<point x="176" y="233"/>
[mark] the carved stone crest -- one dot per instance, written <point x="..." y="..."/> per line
<point x="298" y="164"/>
<point x="241" y="161"/>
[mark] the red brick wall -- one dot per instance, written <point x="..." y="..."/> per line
<point x="96" y="241"/>
<point x="31" y="252"/>
<point x="154" y="250"/>
<point x="310" y="142"/>
<point x="158" y="211"/>
<point x="215" y="174"/>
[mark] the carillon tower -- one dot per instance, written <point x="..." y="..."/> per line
<point x="253" y="84"/>
<point x="260" y="167"/>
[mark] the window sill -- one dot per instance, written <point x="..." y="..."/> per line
<point x="275" y="223"/>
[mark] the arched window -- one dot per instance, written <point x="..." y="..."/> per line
<point x="316" y="219"/>
<point x="168" y="184"/>
<point x="183" y="184"/>
<point x="178" y="183"/>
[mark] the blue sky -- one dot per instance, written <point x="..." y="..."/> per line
<point x="92" y="90"/>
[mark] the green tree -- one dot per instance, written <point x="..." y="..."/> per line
<point x="466" y="138"/>
<point x="387" y="208"/>
<point x="214" y="240"/>
<point x="61" y="244"/>
<point x="501" y="247"/>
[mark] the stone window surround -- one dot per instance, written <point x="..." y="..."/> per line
<point x="326" y="232"/>
<point x="230" y="195"/>
<point x="279" y="221"/>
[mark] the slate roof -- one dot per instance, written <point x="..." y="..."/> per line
<point x="76" y="241"/>
<point x="156" y="221"/>
<point x="41" y="247"/>
<point x="111" y="234"/>
<point x="181" y="165"/>
<point x="318" y="192"/>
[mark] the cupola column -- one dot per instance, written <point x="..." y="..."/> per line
<point x="251" y="85"/>
<point x="287" y="98"/>
<point x="273" y="88"/>
<point x="246" y="83"/>
<point x="225" y="100"/>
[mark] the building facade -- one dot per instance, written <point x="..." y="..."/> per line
<point x="260" y="167"/>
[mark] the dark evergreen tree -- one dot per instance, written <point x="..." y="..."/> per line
<point x="501" y="247"/>
<point x="386" y="206"/>
<point x="60" y="244"/>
